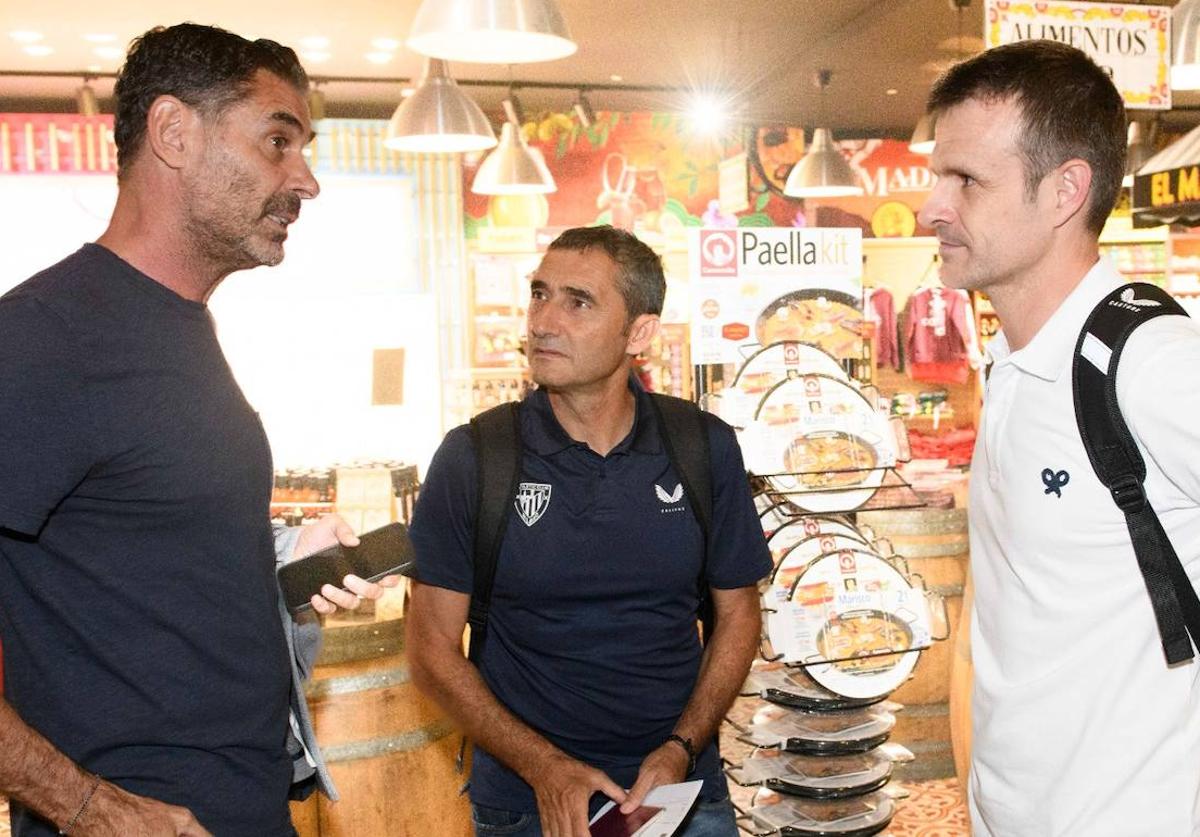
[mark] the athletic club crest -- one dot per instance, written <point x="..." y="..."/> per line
<point x="533" y="498"/>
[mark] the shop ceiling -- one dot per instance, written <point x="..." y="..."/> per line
<point x="762" y="54"/>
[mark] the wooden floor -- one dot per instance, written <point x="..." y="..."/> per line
<point x="933" y="810"/>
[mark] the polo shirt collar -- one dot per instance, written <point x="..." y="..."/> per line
<point x="542" y="433"/>
<point x="1051" y="350"/>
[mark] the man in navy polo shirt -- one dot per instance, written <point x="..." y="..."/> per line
<point x="592" y="683"/>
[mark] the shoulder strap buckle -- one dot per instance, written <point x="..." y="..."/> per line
<point x="1128" y="494"/>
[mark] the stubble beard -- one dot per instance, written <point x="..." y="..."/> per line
<point x="223" y="228"/>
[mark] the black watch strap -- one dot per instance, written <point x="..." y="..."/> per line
<point x="686" y="744"/>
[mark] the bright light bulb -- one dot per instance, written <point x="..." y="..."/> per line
<point x="315" y="56"/>
<point x="385" y="44"/>
<point x="1185" y="77"/>
<point x="25" y="36"/>
<point x="314" y="42"/>
<point x="38" y="50"/>
<point x="379" y="57"/>
<point x="707" y="115"/>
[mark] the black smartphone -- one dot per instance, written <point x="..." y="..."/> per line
<point x="383" y="551"/>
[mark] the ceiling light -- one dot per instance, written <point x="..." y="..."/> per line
<point x="513" y="168"/>
<point x="315" y="42"/>
<point x="491" y="31"/>
<point x="922" y="136"/>
<point x="99" y="38"/>
<point x="379" y="57"/>
<point x="315" y="56"/>
<point x="922" y="140"/>
<point x="85" y="100"/>
<point x="583" y="109"/>
<point x="385" y="44"/>
<point x="1185" y="51"/>
<point x="405" y="92"/>
<point x="707" y="115"/>
<point x="38" y="50"/>
<point x="1142" y="136"/>
<point x="108" y="52"/>
<point x="94" y="68"/>
<point x="513" y="109"/>
<point x="891" y="91"/>
<point x="439" y="117"/>
<point x="822" y="172"/>
<point x="316" y="104"/>
<point x="25" y="36"/>
<point x="615" y="77"/>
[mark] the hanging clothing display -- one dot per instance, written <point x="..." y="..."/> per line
<point x="940" y="343"/>
<point x="879" y="308"/>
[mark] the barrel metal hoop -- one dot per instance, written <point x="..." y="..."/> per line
<point x="358" y="682"/>
<point x="402" y="743"/>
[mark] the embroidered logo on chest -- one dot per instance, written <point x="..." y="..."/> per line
<point x="1055" y="481"/>
<point x="533" y="498"/>
<point x="674" y="497"/>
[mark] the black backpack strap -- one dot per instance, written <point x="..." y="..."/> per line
<point x="1118" y="463"/>
<point x="496" y="434"/>
<point x="685" y="438"/>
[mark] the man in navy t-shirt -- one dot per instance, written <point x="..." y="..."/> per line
<point x="592" y="683"/>
<point x="147" y="669"/>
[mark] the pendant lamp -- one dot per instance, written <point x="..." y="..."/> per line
<point x="1140" y="149"/>
<point x="823" y="172"/>
<point x="1185" y="50"/>
<point x="491" y="31"/>
<point x="513" y="168"/>
<point x="439" y="117"/>
<point x="85" y="99"/>
<point x="922" y="137"/>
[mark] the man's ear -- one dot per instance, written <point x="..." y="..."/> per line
<point x="172" y="131"/>
<point x="642" y="331"/>
<point x="1072" y="184"/>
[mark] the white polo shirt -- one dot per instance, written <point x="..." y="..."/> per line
<point x="1079" y="726"/>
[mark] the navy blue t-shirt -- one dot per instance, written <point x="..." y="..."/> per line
<point x="137" y="594"/>
<point x="592" y="636"/>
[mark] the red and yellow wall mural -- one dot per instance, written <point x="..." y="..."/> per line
<point x="650" y="173"/>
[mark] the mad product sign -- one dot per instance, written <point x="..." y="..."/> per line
<point x="755" y="286"/>
<point x="1131" y="42"/>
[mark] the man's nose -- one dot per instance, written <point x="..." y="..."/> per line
<point x="936" y="209"/>
<point x="304" y="182"/>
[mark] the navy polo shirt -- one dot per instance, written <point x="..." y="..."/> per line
<point x="592" y="632"/>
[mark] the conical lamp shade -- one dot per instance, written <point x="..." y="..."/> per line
<point x="491" y="31"/>
<point x="922" y="138"/>
<point x="1185" y="52"/>
<point x="1139" y="150"/>
<point x="513" y="168"/>
<point x="823" y="172"/>
<point x="439" y="117"/>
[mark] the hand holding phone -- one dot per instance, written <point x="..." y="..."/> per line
<point x="380" y="552"/>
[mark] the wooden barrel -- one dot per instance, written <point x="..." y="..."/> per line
<point x="391" y="751"/>
<point x="935" y="545"/>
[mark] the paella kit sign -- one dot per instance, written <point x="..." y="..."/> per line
<point x="1131" y="42"/>
<point x="755" y="286"/>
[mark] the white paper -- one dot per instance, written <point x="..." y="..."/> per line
<point x="675" y="800"/>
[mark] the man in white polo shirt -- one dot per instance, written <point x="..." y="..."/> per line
<point x="1080" y="727"/>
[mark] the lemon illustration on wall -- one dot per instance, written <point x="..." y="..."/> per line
<point x="893" y="219"/>
<point x="518" y="210"/>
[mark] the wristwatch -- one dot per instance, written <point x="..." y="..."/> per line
<point x="686" y="744"/>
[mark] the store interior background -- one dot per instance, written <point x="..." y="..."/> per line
<point x="375" y="262"/>
<point x="397" y="253"/>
